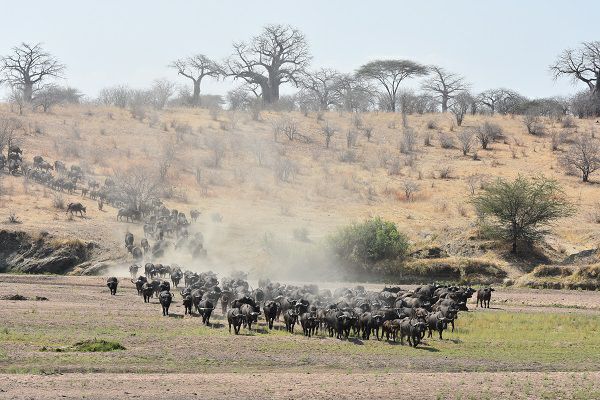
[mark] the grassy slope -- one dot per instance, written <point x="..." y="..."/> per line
<point x="324" y="194"/>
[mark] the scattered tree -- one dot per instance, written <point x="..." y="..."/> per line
<point x="582" y="64"/>
<point x="319" y="86"/>
<point x="521" y="210"/>
<point x="584" y="154"/>
<point x="465" y="139"/>
<point x="410" y="189"/>
<point x="328" y="131"/>
<point x="277" y="56"/>
<point x="460" y="105"/>
<point x="196" y="68"/>
<point x="389" y="74"/>
<point x="10" y="130"/>
<point x="28" y="67"/>
<point x="444" y="85"/>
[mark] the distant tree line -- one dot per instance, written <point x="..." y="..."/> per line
<point x="280" y="55"/>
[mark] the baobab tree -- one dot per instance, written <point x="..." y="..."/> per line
<point x="444" y="85"/>
<point x="389" y="74"/>
<point x="196" y="68"/>
<point x="581" y="65"/>
<point x="28" y="67"/>
<point x="277" y="56"/>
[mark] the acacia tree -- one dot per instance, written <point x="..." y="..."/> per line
<point x="522" y="210"/>
<point x="277" y="56"/>
<point x="502" y="100"/>
<point x="584" y="155"/>
<point x="389" y="74"/>
<point x="196" y="68"/>
<point x="444" y="85"/>
<point x="320" y="87"/>
<point x="581" y="65"/>
<point x="28" y="67"/>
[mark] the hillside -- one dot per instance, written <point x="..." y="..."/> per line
<point x="272" y="191"/>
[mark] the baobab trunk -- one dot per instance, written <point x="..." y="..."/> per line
<point x="444" y="103"/>
<point x="28" y="92"/>
<point x="196" y="94"/>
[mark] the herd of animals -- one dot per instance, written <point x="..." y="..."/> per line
<point x="390" y="313"/>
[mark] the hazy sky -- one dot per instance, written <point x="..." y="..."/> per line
<point x="493" y="43"/>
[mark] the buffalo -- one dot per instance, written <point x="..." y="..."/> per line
<point x="235" y="318"/>
<point x="484" y="296"/>
<point x="76" y="208"/>
<point x="165" y="297"/>
<point x="112" y="284"/>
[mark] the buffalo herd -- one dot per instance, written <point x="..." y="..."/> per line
<point x="392" y="313"/>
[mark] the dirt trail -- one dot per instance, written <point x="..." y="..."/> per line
<point x="533" y="385"/>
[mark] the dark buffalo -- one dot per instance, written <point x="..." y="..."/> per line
<point x="205" y="309"/>
<point x="128" y="240"/>
<point x="484" y="296"/>
<point x="436" y="322"/>
<point x="133" y="270"/>
<point x="165" y="297"/>
<point x="235" y="318"/>
<point x="250" y="313"/>
<point x="369" y="323"/>
<point x="145" y="245"/>
<point x="187" y="303"/>
<point x="139" y="283"/>
<point x="309" y="323"/>
<point x="290" y="317"/>
<point x="112" y="284"/>
<point x="412" y="329"/>
<point x="270" y="309"/>
<point x="76" y="208"/>
<point x="137" y="254"/>
<point x="147" y="291"/>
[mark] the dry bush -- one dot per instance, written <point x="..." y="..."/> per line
<point x="465" y="138"/>
<point x="534" y="125"/>
<point x="446" y="140"/>
<point x="568" y="122"/>
<point x="285" y="126"/>
<point x="301" y="234"/>
<point x="445" y="171"/>
<point x="595" y="214"/>
<point x="351" y="137"/>
<point x="395" y="166"/>
<point x="215" y="112"/>
<point x="431" y="124"/>
<point x="473" y="182"/>
<point x="427" y="137"/>
<point x="217" y="147"/>
<point x="410" y="189"/>
<point x="13" y="218"/>
<point x="285" y="170"/>
<point x="328" y="130"/>
<point x="408" y="143"/>
<point x="384" y="156"/>
<point x="368" y="132"/>
<point x="392" y="124"/>
<point x="349" y="156"/>
<point x="58" y="201"/>
<point x="357" y="121"/>
<point x="558" y="138"/>
<point x="462" y="209"/>
<point x="487" y="133"/>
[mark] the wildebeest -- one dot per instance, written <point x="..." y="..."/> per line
<point x="205" y="309"/>
<point x="112" y="284"/>
<point x="133" y="270"/>
<point x="76" y="208"/>
<point x="235" y="318"/>
<point x="484" y="295"/>
<point x="165" y="297"/>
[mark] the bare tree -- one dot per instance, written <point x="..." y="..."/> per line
<point x="166" y="160"/>
<point x="503" y="101"/>
<point x="473" y="181"/>
<point x="277" y="56"/>
<point x="52" y="95"/>
<point x="161" y="92"/>
<point x="119" y="96"/>
<point x="328" y="131"/>
<point x="444" y="85"/>
<point x="389" y="74"/>
<point x="196" y="68"/>
<point x="465" y="138"/>
<point x="218" y="147"/>
<point x="583" y="65"/>
<point x="16" y="99"/>
<point x="320" y="85"/>
<point x="410" y="189"/>
<point x="137" y="183"/>
<point x="353" y="93"/>
<point x="10" y="132"/>
<point x="460" y="105"/>
<point x="584" y="155"/>
<point x="28" y="67"/>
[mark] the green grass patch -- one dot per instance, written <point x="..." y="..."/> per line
<point x="97" y="345"/>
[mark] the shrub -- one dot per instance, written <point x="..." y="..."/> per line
<point x="369" y="242"/>
<point x="301" y="234"/>
<point x="58" y="201"/>
<point x="431" y="124"/>
<point x="97" y="346"/>
<point x="446" y="140"/>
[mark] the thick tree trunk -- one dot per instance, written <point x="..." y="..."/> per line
<point x="196" y="94"/>
<point x="28" y="92"/>
<point x="514" y="246"/>
<point x="444" y="103"/>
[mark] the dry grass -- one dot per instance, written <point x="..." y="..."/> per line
<point x="325" y="187"/>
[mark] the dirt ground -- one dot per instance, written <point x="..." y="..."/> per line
<point x="178" y="358"/>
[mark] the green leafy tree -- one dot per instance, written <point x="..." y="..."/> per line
<point x="370" y="241"/>
<point x="523" y="209"/>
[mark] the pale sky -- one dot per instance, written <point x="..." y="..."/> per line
<point x="506" y="43"/>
